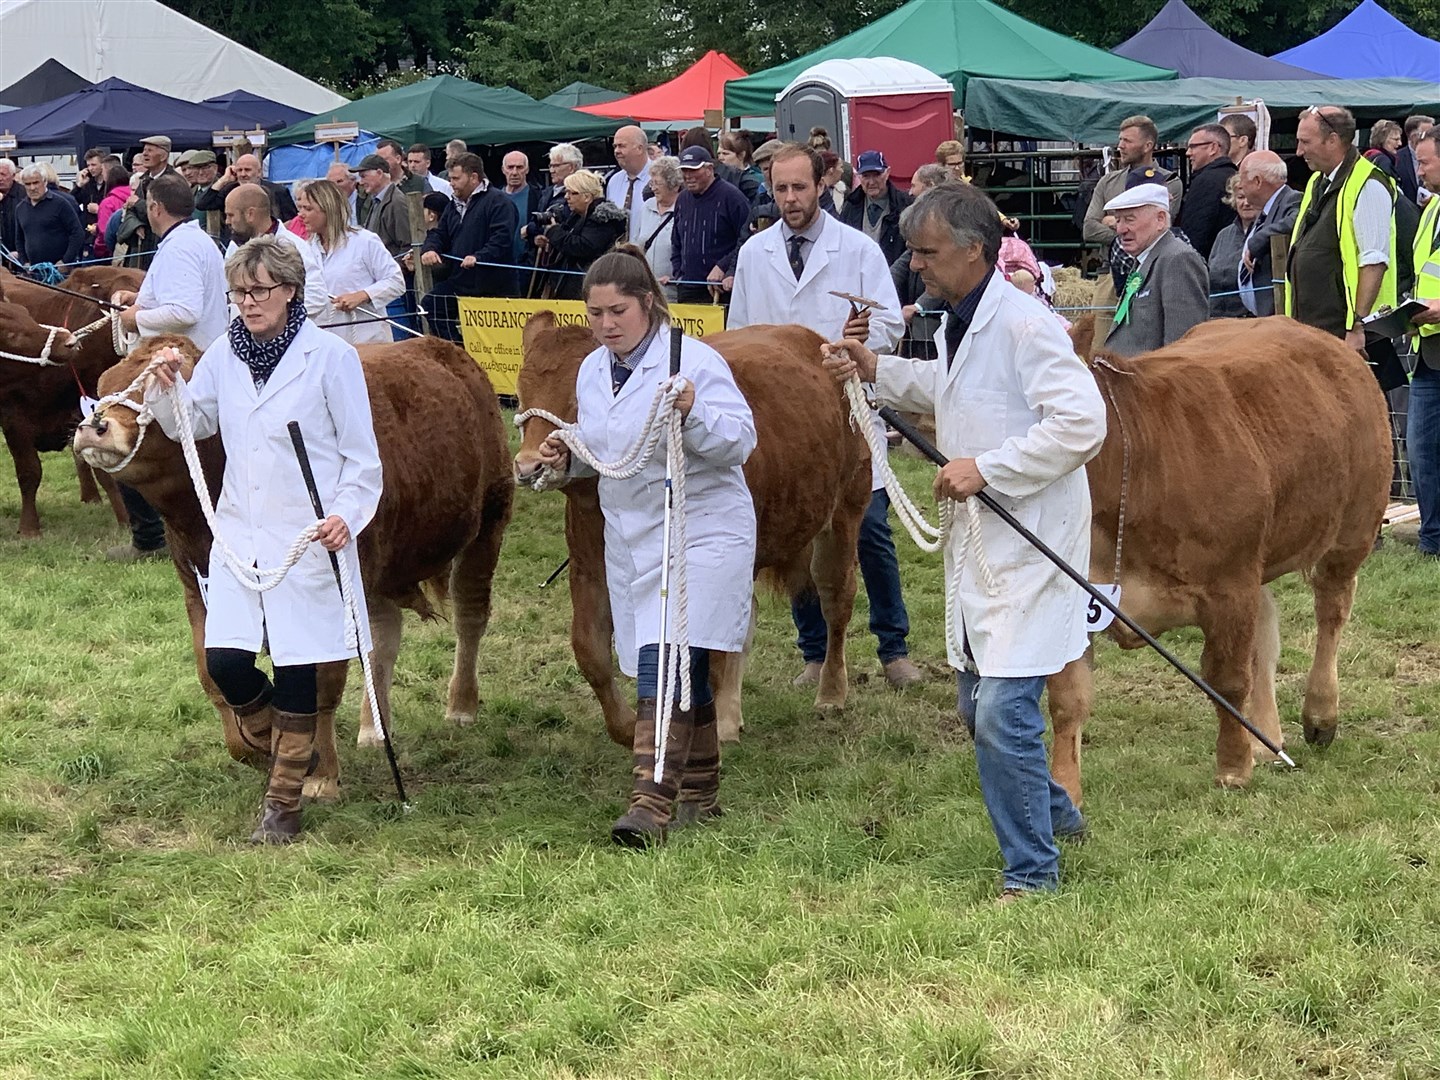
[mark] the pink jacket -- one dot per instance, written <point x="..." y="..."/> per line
<point x="114" y="199"/>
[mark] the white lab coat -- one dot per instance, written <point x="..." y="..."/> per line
<point x="360" y="264"/>
<point x="843" y="259"/>
<point x="719" y="512"/>
<point x="317" y="296"/>
<point x="184" y="289"/>
<point x="264" y="502"/>
<point x="1019" y="401"/>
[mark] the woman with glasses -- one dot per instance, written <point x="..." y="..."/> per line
<point x="360" y="274"/>
<point x="272" y="366"/>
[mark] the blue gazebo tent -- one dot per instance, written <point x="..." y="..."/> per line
<point x="1369" y="43"/>
<point x="113" y="113"/>
<point x="1178" y="38"/>
<point x="251" y="109"/>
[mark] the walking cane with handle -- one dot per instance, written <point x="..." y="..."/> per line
<point x="301" y="455"/>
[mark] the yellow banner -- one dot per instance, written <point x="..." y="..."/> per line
<point x="493" y="328"/>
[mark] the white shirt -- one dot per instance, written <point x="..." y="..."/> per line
<point x="841" y="258"/>
<point x="316" y="297"/>
<point x="1247" y="284"/>
<point x="436" y="184"/>
<point x="184" y="289"/>
<point x="360" y="264"/>
<point x="1372" y="222"/>
<point x="615" y="188"/>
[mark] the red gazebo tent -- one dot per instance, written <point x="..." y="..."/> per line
<point x="683" y="98"/>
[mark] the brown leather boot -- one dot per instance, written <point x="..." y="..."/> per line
<point x="699" y="799"/>
<point x="293" y="752"/>
<point x="645" y="823"/>
<point x="254" y="720"/>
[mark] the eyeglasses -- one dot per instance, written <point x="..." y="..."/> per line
<point x="1198" y="145"/>
<point x="260" y="293"/>
<point x="1314" y="110"/>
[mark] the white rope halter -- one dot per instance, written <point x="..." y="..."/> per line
<point x="926" y="536"/>
<point x="663" y="420"/>
<point x="43" y="359"/>
<point x="247" y="573"/>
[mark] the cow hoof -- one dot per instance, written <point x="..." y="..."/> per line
<point x="321" y="788"/>
<point x="829" y="709"/>
<point x="460" y="719"/>
<point x="728" y="731"/>
<point x="1319" y="736"/>
<point x="1232" y="781"/>
<point x="368" y="736"/>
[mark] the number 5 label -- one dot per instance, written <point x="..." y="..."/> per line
<point x="1097" y="617"/>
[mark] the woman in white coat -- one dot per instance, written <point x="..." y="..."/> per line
<point x="359" y="271"/>
<point x="614" y="390"/>
<point x="1017" y="414"/>
<point x="274" y="366"/>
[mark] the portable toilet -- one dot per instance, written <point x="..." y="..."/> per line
<point x="879" y="103"/>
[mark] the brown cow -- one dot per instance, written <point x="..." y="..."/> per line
<point x="40" y="406"/>
<point x="1257" y="448"/>
<point x="809" y="477"/>
<point x="438" y="527"/>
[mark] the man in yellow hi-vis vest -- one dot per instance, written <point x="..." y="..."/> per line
<point x="1422" y="435"/>
<point x="1344" y="233"/>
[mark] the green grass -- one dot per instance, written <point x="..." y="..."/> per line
<point x="836" y="923"/>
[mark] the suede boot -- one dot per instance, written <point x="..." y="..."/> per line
<point x="254" y="720"/>
<point x="645" y="823"/>
<point x="293" y="757"/>
<point x="699" y="799"/>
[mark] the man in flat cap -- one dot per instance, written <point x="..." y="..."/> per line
<point x="135" y="226"/>
<point x="1168" y="291"/>
<point x="200" y="168"/>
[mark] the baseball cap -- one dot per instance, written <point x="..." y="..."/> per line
<point x="162" y="141"/>
<point x="1142" y="174"/>
<point x="371" y="161"/>
<point x="1140" y="195"/>
<point x="694" y="157"/>
<point x="871" y="161"/>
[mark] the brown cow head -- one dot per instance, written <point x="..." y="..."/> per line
<point x="22" y="335"/>
<point x="552" y="356"/>
<point x="1082" y="336"/>
<point x="109" y="434"/>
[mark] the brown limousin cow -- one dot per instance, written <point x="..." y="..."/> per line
<point x="809" y="477"/>
<point x="1258" y="448"/>
<point x="40" y="406"/>
<point x="436" y="532"/>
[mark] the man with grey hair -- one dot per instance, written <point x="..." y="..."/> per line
<point x="1018" y="414"/>
<point x="340" y="175"/>
<point x="1262" y="180"/>
<point x="564" y="159"/>
<point x="453" y="149"/>
<point x="48" y="228"/>
<point x="1169" y="290"/>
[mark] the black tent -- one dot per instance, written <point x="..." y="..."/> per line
<point x="1178" y="38"/>
<point x="47" y="82"/>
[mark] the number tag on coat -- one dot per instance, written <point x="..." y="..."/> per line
<point x="1097" y="617"/>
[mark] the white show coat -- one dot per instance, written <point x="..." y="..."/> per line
<point x="719" y="512"/>
<point x="184" y="289"/>
<point x="1019" y="401"/>
<point x="360" y="264"/>
<point x="843" y="259"/>
<point x="317" y="298"/>
<point x="263" y="501"/>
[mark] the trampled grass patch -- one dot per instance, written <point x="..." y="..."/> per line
<point x="836" y="923"/>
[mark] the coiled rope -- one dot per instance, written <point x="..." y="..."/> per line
<point x="247" y="573"/>
<point x="927" y="537"/>
<point x="662" y="422"/>
<point x="43" y="360"/>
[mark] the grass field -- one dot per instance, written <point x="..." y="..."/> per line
<point x="837" y="922"/>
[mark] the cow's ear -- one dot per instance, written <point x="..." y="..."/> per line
<point x="535" y="326"/>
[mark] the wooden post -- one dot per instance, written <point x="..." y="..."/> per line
<point x="417" y="238"/>
<point x="1279" y="261"/>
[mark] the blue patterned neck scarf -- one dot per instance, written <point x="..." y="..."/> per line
<point x="262" y="357"/>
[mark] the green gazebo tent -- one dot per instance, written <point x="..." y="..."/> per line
<point x="581" y="93"/>
<point x="445" y="107"/>
<point x="956" y="39"/>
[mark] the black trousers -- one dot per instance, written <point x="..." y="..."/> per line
<point x="147" y="530"/>
<point x="241" y="682"/>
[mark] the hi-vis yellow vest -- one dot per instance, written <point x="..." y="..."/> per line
<point x="1349" y="195"/>
<point x="1427" y="264"/>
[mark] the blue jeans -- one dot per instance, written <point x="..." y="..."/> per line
<point x="1422" y="442"/>
<point x="647" y="675"/>
<point x="880" y="569"/>
<point x="1027" y="809"/>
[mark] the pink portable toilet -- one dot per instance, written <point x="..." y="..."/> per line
<point x="880" y="103"/>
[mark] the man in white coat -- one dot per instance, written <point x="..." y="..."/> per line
<point x="1019" y="415"/>
<point x="785" y="274"/>
<point x="247" y="215"/>
<point x="183" y="293"/>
